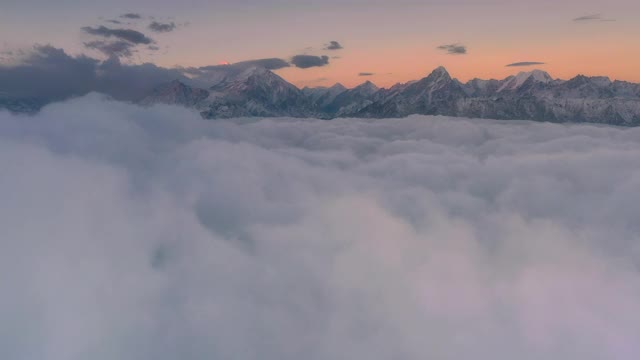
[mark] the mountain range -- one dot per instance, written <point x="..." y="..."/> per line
<point x="535" y="95"/>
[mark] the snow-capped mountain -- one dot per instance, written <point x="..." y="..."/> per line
<point x="352" y="101"/>
<point x="434" y="94"/>
<point x="513" y="83"/>
<point x="255" y="91"/>
<point x="177" y="93"/>
<point x="323" y="96"/>
<point x="533" y="95"/>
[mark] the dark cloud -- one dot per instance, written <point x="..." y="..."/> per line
<point x="113" y="21"/>
<point x="454" y="49"/>
<point x="308" y="61"/>
<point x="366" y="74"/>
<point x="153" y="47"/>
<point x="525" y="63"/>
<point x="592" y="18"/>
<point x="269" y="64"/>
<point x="206" y="76"/>
<point x="131" y="16"/>
<point x="333" y="45"/>
<point x="162" y="27"/>
<point x="130" y="35"/>
<point x="118" y="48"/>
<point x="48" y="74"/>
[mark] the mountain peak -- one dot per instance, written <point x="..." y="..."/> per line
<point x="338" y="87"/>
<point x="515" y="82"/>
<point x="439" y="73"/>
<point x="367" y="86"/>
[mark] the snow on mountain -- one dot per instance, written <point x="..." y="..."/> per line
<point x="533" y="95"/>
<point x="353" y="100"/>
<point x="323" y="96"/>
<point x="176" y="93"/>
<point x="514" y="82"/>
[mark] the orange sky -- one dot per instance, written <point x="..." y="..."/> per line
<point x="397" y="40"/>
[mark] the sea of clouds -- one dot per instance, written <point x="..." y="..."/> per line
<point x="148" y="233"/>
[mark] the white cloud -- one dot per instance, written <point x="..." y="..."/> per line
<point x="148" y="233"/>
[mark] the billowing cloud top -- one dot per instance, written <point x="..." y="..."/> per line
<point x="49" y="74"/>
<point x="148" y="233"/>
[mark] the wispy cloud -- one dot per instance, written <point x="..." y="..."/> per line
<point x="525" y="63"/>
<point x="130" y="35"/>
<point x="366" y="74"/>
<point x="592" y="18"/>
<point x="453" y="49"/>
<point x="132" y="16"/>
<point x="333" y="45"/>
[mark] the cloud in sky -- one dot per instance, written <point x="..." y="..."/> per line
<point x="118" y="48"/>
<point x="268" y="63"/>
<point x="132" y="16"/>
<point x="162" y="27"/>
<point x="525" y="63"/>
<point x="416" y="238"/>
<point x="333" y="45"/>
<point x="592" y="18"/>
<point x="49" y="74"/>
<point x="308" y="61"/>
<point x="453" y="49"/>
<point x="366" y="74"/>
<point x="130" y="35"/>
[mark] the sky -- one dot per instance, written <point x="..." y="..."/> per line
<point x="388" y="41"/>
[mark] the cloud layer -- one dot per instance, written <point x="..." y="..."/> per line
<point x="136" y="233"/>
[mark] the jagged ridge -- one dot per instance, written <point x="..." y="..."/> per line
<point x="531" y="95"/>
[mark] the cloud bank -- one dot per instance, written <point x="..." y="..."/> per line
<point x="148" y="233"/>
<point x="49" y="74"/>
